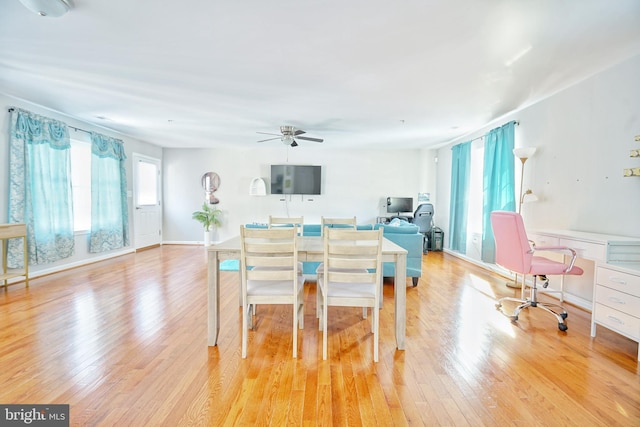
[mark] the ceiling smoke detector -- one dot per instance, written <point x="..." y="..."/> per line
<point x="51" y="8"/>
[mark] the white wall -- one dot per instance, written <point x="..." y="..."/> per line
<point x="583" y="137"/>
<point x="354" y="182"/>
<point x="81" y="239"/>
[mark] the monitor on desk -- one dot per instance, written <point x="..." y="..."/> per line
<point x="399" y="205"/>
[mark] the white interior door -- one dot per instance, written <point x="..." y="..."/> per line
<point x="147" y="214"/>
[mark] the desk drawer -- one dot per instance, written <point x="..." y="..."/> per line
<point x="618" y="300"/>
<point x="588" y="250"/>
<point x="624" y="282"/>
<point x="617" y="321"/>
<point x="543" y="240"/>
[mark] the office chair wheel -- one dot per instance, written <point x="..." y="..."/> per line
<point x="562" y="327"/>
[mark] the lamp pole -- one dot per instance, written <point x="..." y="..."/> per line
<point x="523" y="154"/>
<point x="523" y="160"/>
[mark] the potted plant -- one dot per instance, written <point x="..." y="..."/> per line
<point x="209" y="217"/>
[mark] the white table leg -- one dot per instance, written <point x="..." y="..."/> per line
<point x="400" y="299"/>
<point x="213" y="296"/>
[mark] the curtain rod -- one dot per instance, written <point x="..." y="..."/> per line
<point x="12" y="109"/>
<point x="515" y="122"/>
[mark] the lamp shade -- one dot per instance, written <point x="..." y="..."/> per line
<point x="524" y="152"/>
<point x="51" y="8"/>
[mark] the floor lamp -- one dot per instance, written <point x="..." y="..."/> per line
<point x="523" y="153"/>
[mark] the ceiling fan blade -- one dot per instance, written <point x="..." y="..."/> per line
<point x="270" y="139"/>
<point x="266" y="133"/>
<point x="298" y="132"/>
<point x="306" y="138"/>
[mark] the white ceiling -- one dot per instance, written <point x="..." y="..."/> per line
<point x="404" y="73"/>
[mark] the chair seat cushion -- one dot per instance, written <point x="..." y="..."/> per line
<point x="542" y="265"/>
<point x="351" y="290"/>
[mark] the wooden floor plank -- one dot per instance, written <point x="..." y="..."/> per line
<point x="123" y="342"/>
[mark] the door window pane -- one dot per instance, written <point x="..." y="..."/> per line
<point x="147" y="182"/>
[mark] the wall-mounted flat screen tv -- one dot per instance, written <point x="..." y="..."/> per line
<point x="296" y="179"/>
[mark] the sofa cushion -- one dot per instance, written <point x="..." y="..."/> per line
<point x="399" y="227"/>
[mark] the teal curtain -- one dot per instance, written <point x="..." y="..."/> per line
<point x="40" y="193"/>
<point x="498" y="182"/>
<point x="109" y="211"/>
<point x="459" y="205"/>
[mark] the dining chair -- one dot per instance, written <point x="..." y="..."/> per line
<point x="268" y="265"/>
<point x="515" y="252"/>
<point x="349" y="223"/>
<point x="351" y="277"/>
<point x="337" y="223"/>
<point x="297" y="222"/>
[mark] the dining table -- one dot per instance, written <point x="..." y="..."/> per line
<point x="310" y="249"/>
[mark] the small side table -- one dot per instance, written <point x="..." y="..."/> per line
<point x="13" y="231"/>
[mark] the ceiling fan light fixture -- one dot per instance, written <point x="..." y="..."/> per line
<point x="50" y="8"/>
<point x="287" y="139"/>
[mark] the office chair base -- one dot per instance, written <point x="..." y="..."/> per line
<point x="558" y="311"/>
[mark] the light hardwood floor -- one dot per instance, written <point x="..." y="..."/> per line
<point x="124" y="342"/>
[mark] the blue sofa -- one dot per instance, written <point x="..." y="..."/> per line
<point x="400" y="232"/>
<point x="408" y="236"/>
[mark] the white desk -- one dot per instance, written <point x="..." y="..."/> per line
<point x="309" y="249"/>
<point x="595" y="247"/>
<point x="615" y="300"/>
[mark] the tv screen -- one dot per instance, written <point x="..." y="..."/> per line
<point x="399" y="204"/>
<point x="295" y="179"/>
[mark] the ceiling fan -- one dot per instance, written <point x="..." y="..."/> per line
<point x="288" y="136"/>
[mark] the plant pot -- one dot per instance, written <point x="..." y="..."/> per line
<point x="207" y="237"/>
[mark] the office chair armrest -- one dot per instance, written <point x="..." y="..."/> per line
<point x="558" y="249"/>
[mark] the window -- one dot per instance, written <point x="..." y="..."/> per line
<point x="81" y="184"/>
<point x="474" y="215"/>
